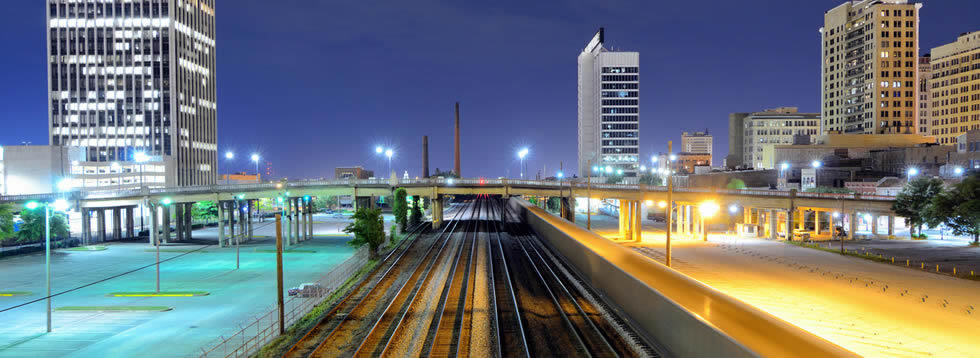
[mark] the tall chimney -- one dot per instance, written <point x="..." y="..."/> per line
<point x="425" y="156"/>
<point x="457" y="142"/>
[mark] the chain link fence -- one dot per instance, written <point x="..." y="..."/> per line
<point x="256" y="332"/>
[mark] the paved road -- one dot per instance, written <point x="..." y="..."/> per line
<point x="235" y="295"/>
<point x="870" y="308"/>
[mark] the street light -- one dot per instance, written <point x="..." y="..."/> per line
<point x="707" y="210"/>
<point x="389" y="153"/>
<point x="378" y="150"/>
<point x="229" y="155"/>
<point x="166" y="203"/>
<point x="733" y="208"/>
<point x="958" y="171"/>
<point x="142" y="158"/>
<point x="912" y="172"/>
<point x="255" y="158"/>
<point x="816" y="164"/>
<point x="58" y="205"/>
<point x="521" y="154"/>
<point x="64" y="185"/>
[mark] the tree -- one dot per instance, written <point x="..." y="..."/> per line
<point x="204" y="211"/>
<point x="6" y="221"/>
<point x="325" y="202"/>
<point x="32" y="230"/>
<point x="650" y="179"/>
<point x="400" y="208"/>
<point x="829" y="190"/>
<point x="958" y="208"/>
<point x="368" y="228"/>
<point x="416" y="216"/>
<point x="735" y="183"/>
<point x="911" y="202"/>
<point x="553" y="204"/>
<point x="615" y="179"/>
<point x="448" y="174"/>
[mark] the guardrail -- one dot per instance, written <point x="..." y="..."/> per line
<point x="684" y="316"/>
<point x="444" y="182"/>
<point x="257" y="332"/>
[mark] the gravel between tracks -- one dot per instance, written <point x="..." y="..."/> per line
<point x="480" y="335"/>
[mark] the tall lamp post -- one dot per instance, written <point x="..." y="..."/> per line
<point x="707" y="209"/>
<point x="816" y="164"/>
<point x="389" y="153"/>
<point x="59" y="205"/>
<point x="255" y="159"/>
<point x="141" y="158"/>
<point x="912" y="172"/>
<point x="521" y="154"/>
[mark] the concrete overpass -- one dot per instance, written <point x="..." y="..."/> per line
<point x="765" y="212"/>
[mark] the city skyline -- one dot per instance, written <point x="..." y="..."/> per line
<point x="465" y="66"/>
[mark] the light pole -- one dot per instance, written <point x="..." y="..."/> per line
<point x="912" y="172"/>
<point x="389" y="153"/>
<point x="958" y="171"/>
<point x="816" y="164"/>
<point x="59" y="205"/>
<point x="707" y="209"/>
<point x="142" y="158"/>
<point x="255" y="159"/>
<point x="670" y="202"/>
<point x="165" y="203"/>
<point x="521" y="154"/>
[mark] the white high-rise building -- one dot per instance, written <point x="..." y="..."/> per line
<point x="608" y="110"/>
<point x="132" y="83"/>
<point x="697" y="142"/>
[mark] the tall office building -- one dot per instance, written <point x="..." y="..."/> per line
<point x="780" y="126"/>
<point x="736" y="136"/>
<point x="955" y="88"/>
<point x="608" y="110"/>
<point x="869" y="68"/>
<point x="925" y="76"/>
<point x="131" y="80"/>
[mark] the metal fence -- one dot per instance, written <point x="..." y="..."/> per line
<point x="256" y="332"/>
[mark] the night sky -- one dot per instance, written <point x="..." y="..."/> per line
<point x="311" y="85"/>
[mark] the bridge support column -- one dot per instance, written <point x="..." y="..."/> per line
<point x="689" y="219"/>
<point x="816" y="222"/>
<point x="221" y="224"/>
<point x="309" y="220"/>
<point x="231" y="221"/>
<point x="130" y="223"/>
<point x="874" y="225"/>
<point x="289" y="220"/>
<point x="790" y="225"/>
<point x="760" y="213"/>
<point x="179" y="220"/>
<point x="86" y="226"/>
<point x="773" y="216"/>
<point x="436" y="212"/>
<point x="637" y="221"/>
<point x="298" y="213"/>
<point x="116" y="223"/>
<point x="623" y="221"/>
<point x="166" y="223"/>
<point x="891" y="227"/>
<point x="100" y="223"/>
<point x="568" y="209"/>
<point x="188" y="220"/>
<point x="851" y="224"/>
<point x="251" y="230"/>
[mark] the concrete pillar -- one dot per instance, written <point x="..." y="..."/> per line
<point x="773" y="224"/>
<point x="299" y="219"/>
<point x="100" y="224"/>
<point x="891" y="227"/>
<point x="251" y="228"/>
<point x="309" y="220"/>
<point x="874" y="224"/>
<point x="637" y="221"/>
<point x="166" y="223"/>
<point x="179" y="220"/>
<point x="830" y="224"/>
<point x="851" y="225"/>
<point x="222" y="212"/>
<point x="116" y="223"/>
<point x="436" y="206"/>
<point x="790" y="228"/>
<point x="623" y="214"/>
<point x="86" y="226"/>
<point x="188" y="220"/>
<point x="761" y="222"/>
<point x="816" y="222"/>
<point x="689" y="219"/>
<point x="130" y="223"/>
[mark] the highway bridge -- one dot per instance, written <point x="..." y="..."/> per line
<point x="768" y="213"/>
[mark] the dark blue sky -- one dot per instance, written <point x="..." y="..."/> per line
<point x="316" y="84"/>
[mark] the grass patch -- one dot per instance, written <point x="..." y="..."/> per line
<point x="174" y="250"/>
<point x="88" y="248"/>
<point x="160" y="294"/>
<point x="14" y="293"/>
<point x="278" y="346"/>
<point x="852" y="253"/>
<point x="115" y="308"/>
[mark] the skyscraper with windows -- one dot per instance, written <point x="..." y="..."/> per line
<point x="608" y="110"/>
<point x="133" y="83"/>
<point x="869" y="67"/>
<point x="954" y="89"/>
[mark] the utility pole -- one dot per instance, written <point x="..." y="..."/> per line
<point x="47" y="258"/>
<point x="282" y="307"/>
<point x="588" y="200"/>
<point x="670" y="194"/>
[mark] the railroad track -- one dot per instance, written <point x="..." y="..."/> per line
<point x="484" y="285"/>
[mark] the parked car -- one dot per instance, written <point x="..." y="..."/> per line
<point x="307" y="290"/>
<point x="339" y="216"/>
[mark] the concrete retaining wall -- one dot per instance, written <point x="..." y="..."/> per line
<point x="684" y="316"/>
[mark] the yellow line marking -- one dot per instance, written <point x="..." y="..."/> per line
<point x="156" y="295"/>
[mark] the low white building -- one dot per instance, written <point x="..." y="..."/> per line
<point x="35" y="169"/>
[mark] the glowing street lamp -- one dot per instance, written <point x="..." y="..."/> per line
<point x="958" y="171"/>
<point x="521" y="154"/>
<point x="707" y="209"/>
<point x="733" y="208"/>
<point x="57" y="205"/>
<point x="389" y="153"/>
<point x="229" y="155"/>
<point x="64" y="185"/>
<point x="662" y="204"/>
<point x="912" y="172"/>
<point x="378" y="150"/>
<point x="816" y="164"/>
<point x="255" y="159"/>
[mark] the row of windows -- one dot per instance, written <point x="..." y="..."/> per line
<point x="627" y="142"/>
<point x="620" y="135"/>
<point x="620" y="78"/>
<point x="620" y="118"/>
<point x="614" y="110"/>
<point x="77" y="10"/>
<point x="955" y="120"/>
<point x="897" y="12"/>
<point x="621" y="126"/>
<point x="620" y="102"/>
<point x="606" y="86"/>
<point x="620" y="70"/>
<point x="956" y="61"/>
<point x="909" y="34"/>
<point x="620" y="150"/>
<point x="620" y="94"/>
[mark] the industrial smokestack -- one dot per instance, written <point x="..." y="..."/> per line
<point x="425" y="156"/>
<point x="457" y="142"/>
